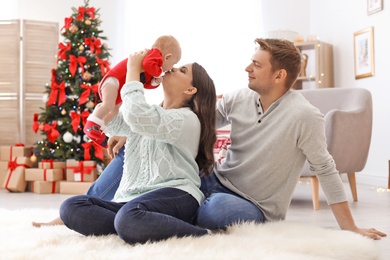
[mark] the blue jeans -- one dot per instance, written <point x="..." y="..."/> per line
<point x="154" y="216"/>
<point x="222" y="207"/>
<point x="108" y="182"/>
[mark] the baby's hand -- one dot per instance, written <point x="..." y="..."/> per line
<point x="135" y="60"/>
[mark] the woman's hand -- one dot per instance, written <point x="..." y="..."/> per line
<point x="115" y="143"/>
<point x="134" y="65"/>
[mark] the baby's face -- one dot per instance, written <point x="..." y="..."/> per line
<point x="170" y="62"/>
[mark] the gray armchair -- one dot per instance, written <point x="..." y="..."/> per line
<point x="348" y="127"/>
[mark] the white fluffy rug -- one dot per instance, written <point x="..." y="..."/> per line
<point x="276" y="241"/>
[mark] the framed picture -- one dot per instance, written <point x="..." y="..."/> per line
<point x="364" y="53"/>
<point x="374" y="6"/>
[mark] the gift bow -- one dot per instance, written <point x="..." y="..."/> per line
<point x="62" y="50"/>
<point x="87" y="151"/>
<point x="76" y="118"/>
<point x="104" y="65"/>
<point x="82" y="11"/>
<point x="87" y="92"/>
<point x="35" y="125"/>
<point x="68" y="23"/>
<point x="93" y="44"/>
<point x="57" y="90"/>
<point x="73" y="60"/>
<point x="51" y="132"/>
<point x="12" y="165"/>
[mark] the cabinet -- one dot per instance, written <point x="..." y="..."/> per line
<point x="319" y="67"/>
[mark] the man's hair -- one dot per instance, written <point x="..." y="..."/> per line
<point x="284" y="55"/>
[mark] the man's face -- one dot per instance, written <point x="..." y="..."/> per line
<point x="260" y="74"/>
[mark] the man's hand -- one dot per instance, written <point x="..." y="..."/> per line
<point x="115" y="143"/>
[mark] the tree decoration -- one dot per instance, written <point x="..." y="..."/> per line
<point x="82" y="62"/>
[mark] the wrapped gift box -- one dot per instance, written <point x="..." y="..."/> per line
<point x="70" y="187"/>
<point x="3" y="173"/>
<point x="14" y="180"/>
<point x="43" y="174"/>
<point x="81" y="171"/>
<point x="8" y="152"/>
<point x="50" y="164"/>
<point x="44" y="187"/>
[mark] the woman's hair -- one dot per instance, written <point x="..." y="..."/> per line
<point x="203" y="105"/>
<point x="284" y="55"/>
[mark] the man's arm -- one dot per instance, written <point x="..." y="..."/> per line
<point x="345" y="220"/>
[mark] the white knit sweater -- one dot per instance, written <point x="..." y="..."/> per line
<point x="161" y="146"/>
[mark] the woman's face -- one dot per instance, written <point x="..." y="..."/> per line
<point x="178" y="79"/>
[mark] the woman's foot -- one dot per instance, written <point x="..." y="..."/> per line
<point x="54" y="222"/>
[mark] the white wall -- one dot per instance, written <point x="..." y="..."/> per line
<point x="335" y="22"/>
<point x="219" y="35"/>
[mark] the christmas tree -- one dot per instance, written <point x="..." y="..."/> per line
<point x="82" y="61"/>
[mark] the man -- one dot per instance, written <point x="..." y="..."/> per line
<point x="273" y="131"/>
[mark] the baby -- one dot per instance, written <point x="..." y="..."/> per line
<point x="165" y="53"/>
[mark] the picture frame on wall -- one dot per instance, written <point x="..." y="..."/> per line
<point x="364" y="53"/>
<point x="374" y="6"/>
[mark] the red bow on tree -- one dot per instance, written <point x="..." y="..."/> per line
<point x="75" y="120"/>
<point x="82" y="11"/>
<point x="53" y="75"/>
<point x="74" y="61"/>
<point x="35" y="125"/>
<point x="57" y="90"/>
<point x="87" y="92"/>
<point x="84" y="116"/>
<point x="62" y="50"/>
<point x="87" y="151"/>
<point x="93" y="44"/>
<point x="104" y="65"/>
<point x="51" y="132"/>
<point x="68" y="23"/>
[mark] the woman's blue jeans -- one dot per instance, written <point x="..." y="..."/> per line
<point x="154" y="216"/>
<point x="222" y="207"/>
<point x="108" y="182"/>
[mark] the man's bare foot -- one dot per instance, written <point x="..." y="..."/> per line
<point x="54" y="222"/>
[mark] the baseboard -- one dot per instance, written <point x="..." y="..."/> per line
<point x="376" y="181"/>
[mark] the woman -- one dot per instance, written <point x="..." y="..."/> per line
<point x="166" y="147"/>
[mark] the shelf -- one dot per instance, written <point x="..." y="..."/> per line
<point x="319" y="67"/>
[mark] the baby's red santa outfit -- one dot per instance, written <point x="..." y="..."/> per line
<point x="151" y="78"/>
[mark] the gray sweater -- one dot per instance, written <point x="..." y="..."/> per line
<point x="268" y="150"/>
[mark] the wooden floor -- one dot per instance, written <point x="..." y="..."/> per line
<point x="372" y="210"/>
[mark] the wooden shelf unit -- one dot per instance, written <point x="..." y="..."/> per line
<point x="319" y="70"/>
